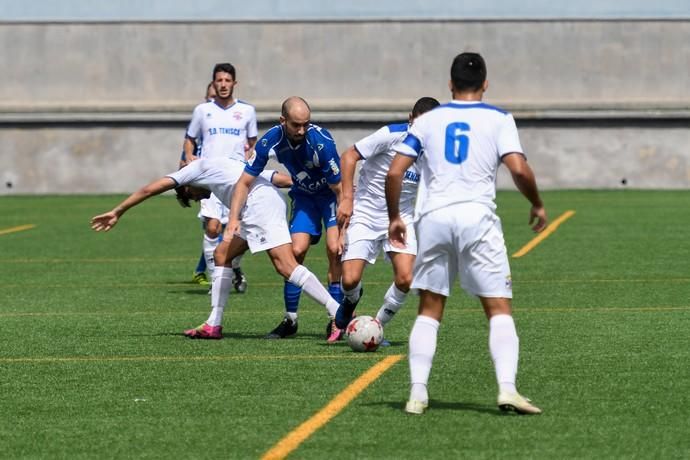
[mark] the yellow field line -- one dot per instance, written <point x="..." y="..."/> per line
<point x="545" y="233"/>
<point x="97" y="359"/>
<point x="20" y="228"/>
<point x="292" y="441"/>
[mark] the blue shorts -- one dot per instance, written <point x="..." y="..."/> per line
<point x="309" y="214"/>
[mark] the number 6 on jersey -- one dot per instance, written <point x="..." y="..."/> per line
<point x="457" y="143"/>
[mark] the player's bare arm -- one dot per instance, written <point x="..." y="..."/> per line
<point x="189" y="148"/>
<point x="106" y="221"/>
<point x="249" y="148"/>
<point x="348" y="162"/>
<point x="237" y="202"/>
<point x="397" y="230"/>
<point x="524" y="179"/>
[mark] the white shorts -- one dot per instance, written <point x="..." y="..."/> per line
<point x="213" y="208"/>
<point x="363" y="242"/>
<point x="465" y="239"/>
<point x="264" y="223"/>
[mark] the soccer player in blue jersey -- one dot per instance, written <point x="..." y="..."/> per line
<point x="459" y="147"/>
<point x="309" y="153"/>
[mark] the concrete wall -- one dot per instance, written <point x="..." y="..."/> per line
<point x="102" y="107"/>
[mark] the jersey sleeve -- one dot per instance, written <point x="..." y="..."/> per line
<point x="508" y="138"/>
<point x="377" y="142"/>
<point x="188" y="174"/>
<point x="262" y="151"/>
<point x="252" y="130"/>
<point x="194" y="128"/>
<point x="329" y="160"/>
<point x="411" y="145"/>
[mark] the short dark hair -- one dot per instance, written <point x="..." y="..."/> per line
<point x="223" y="67"/>
<point x="468" y="72"/>
<point x="424" y="104"/>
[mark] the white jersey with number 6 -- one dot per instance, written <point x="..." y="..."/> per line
<point x="459" y="146"/>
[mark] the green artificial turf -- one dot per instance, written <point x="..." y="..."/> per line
<point x="93" y="363"/>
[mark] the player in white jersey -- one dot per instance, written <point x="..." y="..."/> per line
<point x="459" y="147"/>
<point x="228" y="128"/>
<point x="264" y="228"/>
<point x="365" y="219"/>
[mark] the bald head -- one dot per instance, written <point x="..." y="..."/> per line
<point x="294" y="116"/>
<point x="295" y="107"/>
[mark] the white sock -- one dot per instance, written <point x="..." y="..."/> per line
<point x="392" y="301"/>
<point x="209" y="246"/>
<point x="422" y="349"/>
<point x="353" y="294"/>
<point x="236" y="262"/>
<point x="292" y="316"/>
<point x="302" y="277"/>
<point x="504" y="346"/>
<point x="220" y="289"/>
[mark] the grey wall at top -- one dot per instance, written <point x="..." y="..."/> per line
<point x="101" y="107"/>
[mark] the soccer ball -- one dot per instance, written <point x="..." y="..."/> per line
<point x="364" y="333"/>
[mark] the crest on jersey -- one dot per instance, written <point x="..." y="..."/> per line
<point x="319" y="147"/>
<point x="208" y="115"/>
<point x="334" y="166"/>
<point x="264" y="142"/>
<point x="237" y="116"/>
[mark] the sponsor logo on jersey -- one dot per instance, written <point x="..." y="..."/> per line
<point x="411" y="176"/>
<point x="334" y="166"/>
<point x="302" y="175"/>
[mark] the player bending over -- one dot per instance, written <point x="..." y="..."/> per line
<point x="264" y="228"/>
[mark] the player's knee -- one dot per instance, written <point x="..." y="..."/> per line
<point x="403" y="281"/>
<point x="213" y="231"/>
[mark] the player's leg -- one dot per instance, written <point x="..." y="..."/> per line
<point x="423" y="339"/>
<point x="239" y="279"/>
<point x="305" y="229"/>
<point x="200" y="271"/>
<point x="220" y="290"/>
<point x="434" y="271"/>
<point x="291" y="292"/>
<point x="485" y="272"/>
<point x="286" y="265"/>
<point x="396" y="294"/>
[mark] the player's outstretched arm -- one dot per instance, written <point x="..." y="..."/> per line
<point x="524" y="179"/>
<point x="106" y="221"/>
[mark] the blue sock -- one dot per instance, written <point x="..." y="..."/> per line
<point x="201" y="265"/>
<point x="291" y="295"/>
<point x="336" y="292"/>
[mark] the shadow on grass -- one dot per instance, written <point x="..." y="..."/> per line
<point x="436" y="405"/>
<point x="235" y="335"/>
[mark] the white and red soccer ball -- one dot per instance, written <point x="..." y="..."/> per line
<point x="364" y="333"/>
